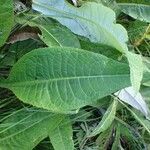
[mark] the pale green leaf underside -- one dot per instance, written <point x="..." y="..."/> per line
<point x="6" y="19"/>
<point x="24" y="129"/>
<point x="107" y="119"/>
<point x="137" y="11"/>
<point x="64" y="79"/>
<point x="61" y="137"/>
<point x="91" y="20"/>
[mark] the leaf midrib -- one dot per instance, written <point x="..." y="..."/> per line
<point x="60" y="79"/>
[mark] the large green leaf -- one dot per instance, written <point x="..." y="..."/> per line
<point x="64" y="79"/>
<point x="92" y="20"/>
<point x="137" y="11"/>
<point x="107" y="119"/>
<point x="24" y="129"/>
<point x="61" y="137"/>
<point x="6" y="19"/>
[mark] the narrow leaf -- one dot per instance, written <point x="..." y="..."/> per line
<point x="105" y="137"/>
<point x="131" y="135"/>
<point x="107" y="119"/>
<point x="136" y="69"/>
<point x="61" y="137"/>
<point x="146" y="75"/>
<point x="65" y="79"/>
<point x="141" y="119"/>
<point x="24" y="129"/>
<point x="116" y="144"/>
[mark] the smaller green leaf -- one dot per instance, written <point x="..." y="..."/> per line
<point x="17" y="50"/>
<point x="131" y="136"/>
<point x="146" y="75"/>
<point x="105" y="137"/>
<point x="137" y="11"/>
<point x="145" y="92"/>
<point x="107" y="119"/>
<point x="137" y="31"/>
<point x="136" y="69"/>
<point x="6" y="19"/>
<point x="140" y="118"/>
<point x="53" y="33"/>
<point x="61" y="137"/>
<point x="25" y="128"/>
<point x="116" y="143"/>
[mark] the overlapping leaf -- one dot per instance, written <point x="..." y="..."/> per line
<point x="107" y="119"/>
<point x="92" y="20"/>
